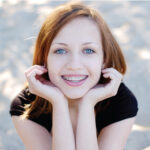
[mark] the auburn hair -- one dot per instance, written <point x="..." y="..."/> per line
<point x="61" y="15"/>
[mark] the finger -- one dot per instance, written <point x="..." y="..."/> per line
<point x="109" y="75"/>
<point x="119" y="77"/>
<point x="40" y="70"/>
<point x="110" y="70"/>
<point x="114" y="71"/>
<point x="31" y="76"/>
<point x="114" y="82"/>
<point x="35" y="67"/>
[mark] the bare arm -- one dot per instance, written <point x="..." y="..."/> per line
<point x="86" y="132"/>
<point x="86" y="137"/>
<point x="33" y="135"/>
<point x="120" y="130"/>
<point x="62" y="132"/>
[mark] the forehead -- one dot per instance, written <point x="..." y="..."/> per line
<point x="80" y="29"/>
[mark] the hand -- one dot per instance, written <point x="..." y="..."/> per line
<point x="104" y="91"/>
<point x="42" y="87"/>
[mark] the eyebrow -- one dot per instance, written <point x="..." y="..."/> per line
<point x="86" y="43"/>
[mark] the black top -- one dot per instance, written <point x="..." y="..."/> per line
<point x="121" y="106"/>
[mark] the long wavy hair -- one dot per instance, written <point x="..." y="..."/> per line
<point x="61" y="15"/>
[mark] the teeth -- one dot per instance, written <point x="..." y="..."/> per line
<point x="74" y="78"/>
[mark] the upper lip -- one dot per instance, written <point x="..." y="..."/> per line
<point x="74" y="75"/>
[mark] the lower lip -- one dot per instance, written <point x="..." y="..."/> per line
<point x="75" y="83"/>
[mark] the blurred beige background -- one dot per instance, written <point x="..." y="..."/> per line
<point x="20" y="21"/>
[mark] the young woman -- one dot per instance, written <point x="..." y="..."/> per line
<point x="75" y="97"/>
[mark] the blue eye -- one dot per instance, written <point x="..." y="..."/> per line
<point x="89" y="51"/>
<point x="60" y="51"/>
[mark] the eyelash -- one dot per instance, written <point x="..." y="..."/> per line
<point x="84" y="49"/>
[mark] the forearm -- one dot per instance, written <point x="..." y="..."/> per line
<point x="86" y="137"/>
<point x="63" y="137"/>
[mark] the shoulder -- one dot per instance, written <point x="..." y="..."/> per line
<point x="119" y="107"/>
<point x="40" y="136"/>
<point x="25" y="95"/>
<point x="125" y="98"/>
<point x="124" y="103"/>
<point x="18" y="102"/>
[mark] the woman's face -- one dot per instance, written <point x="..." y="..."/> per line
<point x="76" y="53"/>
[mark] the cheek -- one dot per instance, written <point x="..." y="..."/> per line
<point x="51" y="75"/>
<point x="54" y="72"/>
<point x="51" y="71"/>
<point x="96" y="67"/>
<point x="96" y="72"/>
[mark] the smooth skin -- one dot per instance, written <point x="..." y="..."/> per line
<point x="40" y="135"/>
<point x="80" y="132"/>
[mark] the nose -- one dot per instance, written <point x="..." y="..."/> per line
<point x="74" y="63"/>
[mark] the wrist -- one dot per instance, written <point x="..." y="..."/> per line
<point x="87" y="103"/>
<point x="60" y="103"/>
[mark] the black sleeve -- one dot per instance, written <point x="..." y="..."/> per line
<point x="122" y="106"/>
<point x="17" y="108"/>
<point x="22" y="98"/>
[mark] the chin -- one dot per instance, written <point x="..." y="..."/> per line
<point x="74" y="95"/>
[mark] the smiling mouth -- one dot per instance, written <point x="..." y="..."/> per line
<point x="75" y="78"/>
<point x="74" y="81"/>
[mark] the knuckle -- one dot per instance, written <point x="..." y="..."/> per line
<point x="36" y="66"/>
